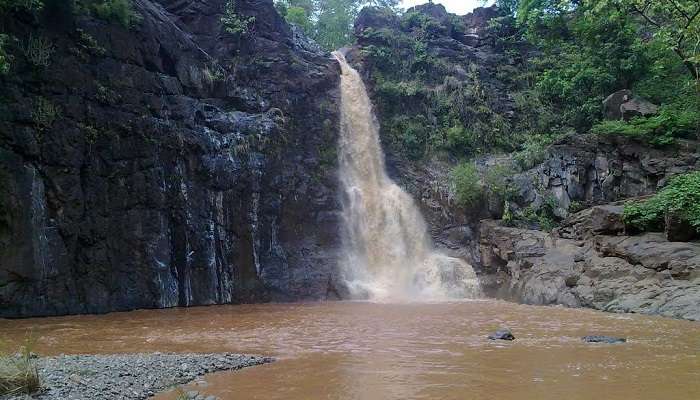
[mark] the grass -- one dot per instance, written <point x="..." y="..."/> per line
<point x="18" y="371"/>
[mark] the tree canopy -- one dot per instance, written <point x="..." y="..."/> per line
<point x="329" y="22"/>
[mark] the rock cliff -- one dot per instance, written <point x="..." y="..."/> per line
<point x="590" y="261"/>
<point x="170" y="164"/>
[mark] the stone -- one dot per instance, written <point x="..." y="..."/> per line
<point x="612" y="103"/>
<point x="637" y="107"/>
<point x="624" y="105"/>
<point x="678" y="229"/>
<point x="502" y="334"/>
<point x="598" y="220"/>
<point x="641" y="274"/>
<point x="603" y="339"/>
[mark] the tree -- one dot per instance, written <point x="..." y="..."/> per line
<point x="328" y="22"/>
<point x="676" y="23"/>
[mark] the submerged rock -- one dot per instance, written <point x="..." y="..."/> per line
<point x="502" y="334"/>
<point x="603" y="339"/>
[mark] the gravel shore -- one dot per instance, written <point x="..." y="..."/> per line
<point x="127" y="376"/>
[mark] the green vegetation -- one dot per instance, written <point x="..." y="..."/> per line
<point x="543" y="217"/>
<point x="4" y="57"/>
<point x="577" y="52"/>
<point x="120" y="11"/>
<point x="465" y="185"/>
<point x="18" y="371"/>
<point x="680" y="198"/>
<point x="45" y="113"/>
<point x="588" y="49"/>
<point x="235" y="23"/>
<point x="38" y="51"/>
<point x="672" y="122"/>
<point x="328" y="22"/>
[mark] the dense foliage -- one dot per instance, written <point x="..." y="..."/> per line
<point x="328" y="22"/>
<point x="680" y="198"/>
<point x="588" y="49"/>
<point x="563" y="59"/>
<point x="466" y="185"/>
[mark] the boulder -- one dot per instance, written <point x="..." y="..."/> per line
<point x="603" y="339"/>
<point x="374" y="18"/>
<point x="679" y="230"/>
<point x="637" y="107"/>
<point x="502" y="334"/>
<point x="612" y="103"/>
<point x="598" y="220"/>
<point x="624" y="105"/>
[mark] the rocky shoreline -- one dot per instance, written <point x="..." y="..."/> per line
<point x="128" y="376"/>
<point x="590" y="261"/>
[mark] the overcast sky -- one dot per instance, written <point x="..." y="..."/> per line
<point x="460" y="7"/>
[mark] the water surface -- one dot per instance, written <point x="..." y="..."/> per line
<point x="356" y="350"/>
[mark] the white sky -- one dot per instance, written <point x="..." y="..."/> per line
<point x="459" y="7"/>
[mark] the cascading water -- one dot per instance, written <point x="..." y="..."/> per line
<point x="388" y="254"/>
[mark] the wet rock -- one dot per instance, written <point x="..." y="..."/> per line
<point x="502" y="334"/>
<point x="678" y="229"/>
<point x="183" y="169"/>
<point x="603" y="339"/>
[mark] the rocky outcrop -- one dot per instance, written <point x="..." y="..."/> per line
<point x="171" y="164"/>
<point x="592" y="169"/>
<point x="589" y="262"/>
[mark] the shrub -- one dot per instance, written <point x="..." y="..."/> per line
<point x="15" y="5"/>
<point x="465" y="184"/>
<point x="681" y="198"/>
<point x="18" y="372"/>
<point x="533" y="151"/>
<point x="543" y="218"/>
<point x="234" y="23"/>
<point x="38" y="51"/>
<point x="497" y="184"/>
<point x="409" y="135"/>
<point x="45" y="113"/>
<point x="120" y="11"/>
<point x="672" y="122"/>
<point x="4" y="57"/>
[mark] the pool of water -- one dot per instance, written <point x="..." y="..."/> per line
<point x="359" y="350"/>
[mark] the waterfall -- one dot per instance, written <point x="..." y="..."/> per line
<point x="387" y="252"/>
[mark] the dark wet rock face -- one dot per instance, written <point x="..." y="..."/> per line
<point x="502" y="334"/>
<point x="603" y="339"/>
<point x="172" y="164"/>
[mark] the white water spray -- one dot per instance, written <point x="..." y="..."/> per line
<point x="388" y="254"/>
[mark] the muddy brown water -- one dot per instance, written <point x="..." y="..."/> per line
<point x="356" y="350"/>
